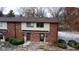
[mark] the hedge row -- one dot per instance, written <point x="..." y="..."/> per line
<point x="15" y="41"/>
<point x="72" y="43"/>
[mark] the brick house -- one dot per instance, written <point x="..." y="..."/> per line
<point x="29" y="28"/>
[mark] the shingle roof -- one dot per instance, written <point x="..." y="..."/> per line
<point x="26" y="19"/>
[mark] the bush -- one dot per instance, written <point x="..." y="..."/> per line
<point x="77" y="46"/>
<point x="15" y="41"/>
<point x="62" y="44"/>
<point x="72" y="43"/>
<point x="9" y="39"/>
<point x="61" y="41"/>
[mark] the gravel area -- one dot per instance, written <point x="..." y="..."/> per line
<point x="39" y="46"/>
<point x="42" y="47"/>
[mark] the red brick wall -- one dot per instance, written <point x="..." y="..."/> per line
<point x="19" y="33"/>
<point x="35" y="36"/>
<point x="11" y="32"/>
<point x="53" y="34"/>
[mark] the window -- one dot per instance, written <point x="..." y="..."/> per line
<point x="1" y="36"/>
<point x="29" y="24"/>
<point x="1" y="24"/>
<point x="40" y="24"/>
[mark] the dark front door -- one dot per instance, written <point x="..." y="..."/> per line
<point x="42" y="35"/>
<point x="28" y="36"/>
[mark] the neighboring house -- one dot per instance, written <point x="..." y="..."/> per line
<point x="29" y="28"/>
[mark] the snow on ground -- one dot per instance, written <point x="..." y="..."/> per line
<point x="68" y="35"/>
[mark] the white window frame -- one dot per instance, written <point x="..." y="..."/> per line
<point x="1" y="24"/>
<point x="3" y="39"/>
<point x="30" y="24"/>
<point x="40" y="24"/>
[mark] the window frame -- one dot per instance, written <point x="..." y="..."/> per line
<point x="42" y="36"/>
<point x="1" y="36"/>
<point x="40" y="25"/>
<point x="29" y="24"/>
<point x="1" y="24"/>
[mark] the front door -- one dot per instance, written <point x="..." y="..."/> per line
<point x="27" y="37"/>
<point x="42" y="36"/>
<point x="2" y="37"/>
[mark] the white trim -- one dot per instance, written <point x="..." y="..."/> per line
<point x="45" y="38"/>
<point x="45" y="28"/>
<point x="25" y="38"/>
<point x="3" y="39"/>
<point x="4" y="25"/>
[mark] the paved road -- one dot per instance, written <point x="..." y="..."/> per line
<point x="68" y="36"/>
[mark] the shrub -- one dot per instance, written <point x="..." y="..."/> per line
<point x="72" y="43"/>
<point x="61" y="41"/>
<point x="15" y="41"/>
<point x="9" y="39"/>
<point x="62" y="44"/>
<point x="77" y="46"/>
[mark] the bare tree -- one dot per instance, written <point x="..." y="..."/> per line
<point x="21" y="10"/>
<point x="31" y="11"/>
<point x="56" y="11"/>
<point x="27" y="11"/>
<point x="71" y="17"/>
<point x="40" y="12"/>
<point x="1" y="11"/>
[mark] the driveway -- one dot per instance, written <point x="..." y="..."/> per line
<point x="68" y="35"/>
